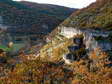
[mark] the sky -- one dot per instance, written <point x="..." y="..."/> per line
<point x="67" y="3"/>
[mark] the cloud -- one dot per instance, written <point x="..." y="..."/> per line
<point x="68" y="3"/>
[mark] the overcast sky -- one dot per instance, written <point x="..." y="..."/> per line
<point x="68" y="3"/>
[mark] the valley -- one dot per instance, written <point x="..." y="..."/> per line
<point x="26" y="24"/>
<point x="50" y="44"/>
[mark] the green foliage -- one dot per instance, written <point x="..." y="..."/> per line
<point x="5" y="48"/>
<point x="21" y="15"/>
<point x="97" y="15"/>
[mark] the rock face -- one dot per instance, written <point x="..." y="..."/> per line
<point x="84" y="44"/>
<point x="89" y="37"/>
<point x="105" y="45"/>
<point x="69" y="58"/>
<point x="91" y="43"/>
<point x="73" y="48"/>
<point x="76" y="51"/>
<point x="78" y="41"/>
<point x="69" y="32"/>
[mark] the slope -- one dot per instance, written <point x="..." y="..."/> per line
<point x="22" y="18"/>
<point x="98" y="15"/>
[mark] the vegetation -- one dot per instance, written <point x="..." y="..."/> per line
<point x="56" y="48"/>
<point x="94" y="70"/>
<point x="15" y="47"/>
<point x="5" y="48"/>
<point x="23" y="18"/>
<point x="49" y="67"/>
<point x="97" y="15"/>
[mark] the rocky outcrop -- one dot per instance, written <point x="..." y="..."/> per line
<point x="89" y="37"/>
<point x="69" y="32"/>
<point x="76" y="51"/>
<point x="82" y="46"/>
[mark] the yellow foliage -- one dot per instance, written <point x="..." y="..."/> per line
<point x="76" y="81"/>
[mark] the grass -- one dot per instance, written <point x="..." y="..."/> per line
<point x="5" y="48"/>
<point x="16" y="47"/>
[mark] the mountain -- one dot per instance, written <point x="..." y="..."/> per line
<point x="67" y="58"/>
<point x="98" y="15"/>
<point x="50" y="9"/>
<point x="94" y="22"/>
<point x="27" y="23"/>
<point x="28" y="17"/>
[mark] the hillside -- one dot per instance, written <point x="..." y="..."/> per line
<point x="83" y="41"/>
<point x="26" y="23"/>
<point x="53" y="10"/>
<point x="98" y="15"/>
<point x="94" y="22"/>
<point x="21" y="17"/>
<point x="71" y="56"/>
